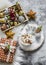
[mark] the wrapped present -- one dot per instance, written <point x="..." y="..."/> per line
<point x="7" y="50"/>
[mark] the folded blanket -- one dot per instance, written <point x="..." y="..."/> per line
<point x="4" y="4"/>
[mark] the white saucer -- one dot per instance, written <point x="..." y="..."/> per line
<point x="36" y="44"/>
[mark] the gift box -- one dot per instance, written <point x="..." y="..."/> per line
<point x="7" y="50"/>
<point x="11" y="17"/>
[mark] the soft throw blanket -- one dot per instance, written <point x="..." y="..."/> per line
<point x="4" y="4"/>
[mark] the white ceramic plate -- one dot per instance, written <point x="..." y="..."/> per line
<point x="37" y="43"/>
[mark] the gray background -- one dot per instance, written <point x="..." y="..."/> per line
<point x="37" y="57"/>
